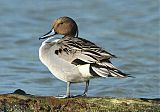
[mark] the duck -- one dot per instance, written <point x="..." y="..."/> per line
<point x="73" y="59"/>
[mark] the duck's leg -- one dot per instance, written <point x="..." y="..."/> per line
<point x="85" y="91"/>
<point x="67" y="92"/>
<point x="86" y="88"/>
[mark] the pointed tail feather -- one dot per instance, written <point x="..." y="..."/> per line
<point x="108" y="71"/>
<point x="117" y="73"/>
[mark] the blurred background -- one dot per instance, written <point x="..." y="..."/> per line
<point x="130" y="29"/>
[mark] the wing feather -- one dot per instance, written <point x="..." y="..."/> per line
<point x="81" y="52"/>
<point x="83" y="49"/>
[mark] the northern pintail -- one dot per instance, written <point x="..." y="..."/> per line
<point x="73" y="59"/>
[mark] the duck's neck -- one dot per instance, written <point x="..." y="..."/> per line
<point x="53" y="39"/>
<point x="68" y="37"/>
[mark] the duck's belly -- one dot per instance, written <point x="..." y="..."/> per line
<point x="62" y="69"/>
<point x="66" y="72"/>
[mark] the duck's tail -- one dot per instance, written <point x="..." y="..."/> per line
<point x="106" y="69"/>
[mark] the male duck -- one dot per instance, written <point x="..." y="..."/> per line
<point x="73" y="59"/>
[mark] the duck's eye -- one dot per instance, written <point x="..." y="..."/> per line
<point x="61" y="23"/>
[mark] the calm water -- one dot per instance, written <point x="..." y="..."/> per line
<point x="126" y="28"/>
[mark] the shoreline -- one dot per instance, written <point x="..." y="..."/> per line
<point x="20" y="101"/>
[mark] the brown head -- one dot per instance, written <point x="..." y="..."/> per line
<point x="64" y="26"/>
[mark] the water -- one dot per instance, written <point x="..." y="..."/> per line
<point x="128" y="29"/>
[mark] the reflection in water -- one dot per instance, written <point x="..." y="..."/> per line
<point x="126" y="28"/>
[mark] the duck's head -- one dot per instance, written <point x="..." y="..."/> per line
<point x="64" y="26"/>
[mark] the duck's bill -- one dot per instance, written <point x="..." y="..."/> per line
<point x="49" y="34"/>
